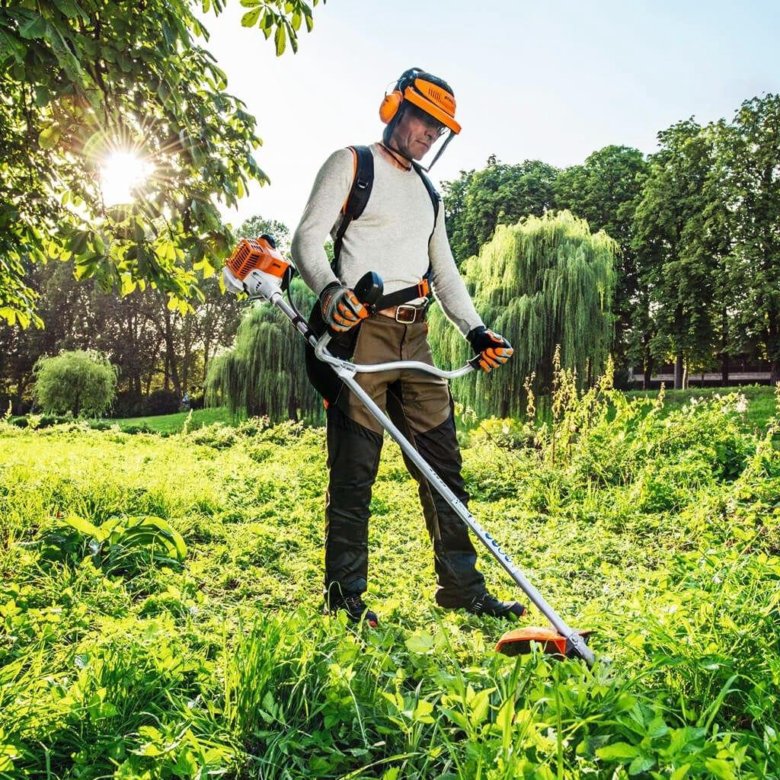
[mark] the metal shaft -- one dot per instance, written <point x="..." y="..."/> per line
<point x="576" y="641"/>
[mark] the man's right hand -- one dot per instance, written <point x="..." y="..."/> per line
<point x="341" y="309"/>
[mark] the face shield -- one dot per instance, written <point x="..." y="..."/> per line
<point x="443" y="133"/>
<point x="430" y="103"/>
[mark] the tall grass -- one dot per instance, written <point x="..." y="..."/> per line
<point x="656" y="526"/>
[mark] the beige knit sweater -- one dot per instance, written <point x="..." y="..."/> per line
<point x="390" y="237"/>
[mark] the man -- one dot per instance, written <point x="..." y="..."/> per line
<point x="400" y="234"/>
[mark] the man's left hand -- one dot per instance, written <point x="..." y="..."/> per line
<point x="493" y="349"/>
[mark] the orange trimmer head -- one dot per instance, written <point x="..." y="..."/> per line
<point x="520" y="641"/>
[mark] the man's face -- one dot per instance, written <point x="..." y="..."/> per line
<point x="415" y="133"/>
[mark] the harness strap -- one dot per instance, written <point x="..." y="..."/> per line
<point x="355" y="204"/>
<point x="421" y="290"/>
<point x="362" y="182"/>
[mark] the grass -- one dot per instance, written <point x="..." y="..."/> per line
<point x="760" y="400"/>
<point x="174" y="423"/>
<point x="760" y="408"/>
<point x="124" y="654"/>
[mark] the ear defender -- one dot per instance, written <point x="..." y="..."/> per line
<point x="390" y="105"/>
<point x="392" y="100"/>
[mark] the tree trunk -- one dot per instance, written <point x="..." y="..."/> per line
<point x="171" y="369"/>
<point x="773" y="344"/>
<point x="187" y="336"/>
<point x="679" y="375"/>
<point x="724" y="348"/>
<point x="648" y="372"/>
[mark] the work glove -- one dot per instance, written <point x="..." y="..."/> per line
<point x="341" y="309"/>
<point x="493" y="349"/>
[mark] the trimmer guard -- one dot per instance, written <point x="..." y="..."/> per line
<point x="519" y="641"/>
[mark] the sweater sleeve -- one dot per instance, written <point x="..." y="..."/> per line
<point x="448" y="285"/>
<point x="331" y="188"/>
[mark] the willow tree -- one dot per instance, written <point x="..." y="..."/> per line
<point x="264" y="373"/>
<point x="544" y="283"/>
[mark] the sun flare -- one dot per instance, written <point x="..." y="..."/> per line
<point x="121" y="174"/>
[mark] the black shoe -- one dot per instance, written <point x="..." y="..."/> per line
<point x="484" y="604"/>
<point x="355" y="609"/>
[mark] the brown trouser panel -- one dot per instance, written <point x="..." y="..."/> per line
<point x="420" y="405"/>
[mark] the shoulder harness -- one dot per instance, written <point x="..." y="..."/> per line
<point x="355" y="204"/>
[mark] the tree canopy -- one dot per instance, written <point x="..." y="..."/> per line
<point x="80" y="79"/>
<point x="499" y="194"/>
<point x="79" y="383"/>
<point x="545" y="283"/>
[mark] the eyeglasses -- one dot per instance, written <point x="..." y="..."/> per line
<point x="427" y="120"/>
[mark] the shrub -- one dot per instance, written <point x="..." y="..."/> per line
<point x="161" y="402"/>
<point x="128" y="404"/>
<point x="197" y="399"/>
<point x="80" y="382"/>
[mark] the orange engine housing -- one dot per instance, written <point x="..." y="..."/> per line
<point x="256" y="254"/>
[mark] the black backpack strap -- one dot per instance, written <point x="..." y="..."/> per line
<point x="362" y="182"/>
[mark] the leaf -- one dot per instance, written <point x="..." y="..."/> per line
<point x="280" y="38"/>
<point x="42" y="96"/>
<point x="505" y="716"/>
<point x="720" y="768"/>
<point x="657" y="728"/>
<point x="68" y="8"/>
<point x="419" y="642"/>
<point x="620" y="751"/>
<point x="82" y="526"/>
<point x="422" y="712"/>
<point x="680" y="772"/>
<point x="33" y="28"/>
<point x="49" y="137"/>
<point x="250" y="18"/>
<point x="480" y="705"/>
<point x="641" y="764"/>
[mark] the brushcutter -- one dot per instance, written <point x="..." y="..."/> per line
<point x="256" y="268"/>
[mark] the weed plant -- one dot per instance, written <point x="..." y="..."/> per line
<point x="160" y="604"/>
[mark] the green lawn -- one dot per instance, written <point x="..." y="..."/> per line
<point x="760" y="408"/>
<point x="174" y="423"/>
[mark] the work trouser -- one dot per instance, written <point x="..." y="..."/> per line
<point x="420" y="406"/>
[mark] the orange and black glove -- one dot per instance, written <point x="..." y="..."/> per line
<point x="493" y="350"/>
<point x="341" y="309"/>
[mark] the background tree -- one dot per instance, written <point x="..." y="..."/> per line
<point x="750" y="153"/>
<point x="499" y="194"/>
<point x="152" y="346"/>
<point x="79" y="382"/>
<point x="258" y="226"/>
<point x="677" y="268"/>
<point x="605" y="191"/>
<point x="82" y="78"/>
<point x="264" y="373"/>
<point x="544" y="283"/>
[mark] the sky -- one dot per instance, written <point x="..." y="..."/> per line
<point x="552" y="81"/>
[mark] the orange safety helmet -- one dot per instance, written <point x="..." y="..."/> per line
<point x="424" y="90"/>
